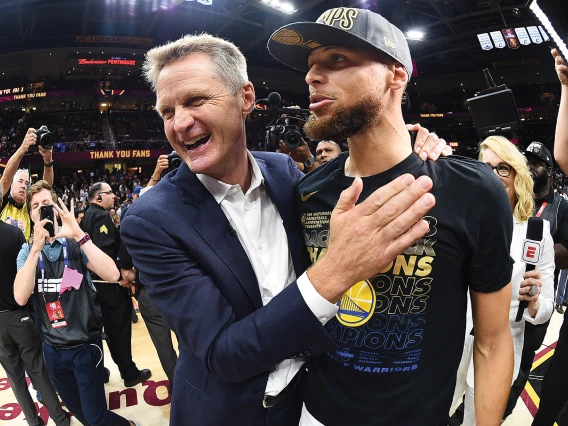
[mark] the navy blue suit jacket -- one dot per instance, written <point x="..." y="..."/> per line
<point x="200" y="279"/>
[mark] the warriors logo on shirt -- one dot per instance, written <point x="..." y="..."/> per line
<point x="357" y="305"/>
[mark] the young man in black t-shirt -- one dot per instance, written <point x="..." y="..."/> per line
<point x="400" y="333"/>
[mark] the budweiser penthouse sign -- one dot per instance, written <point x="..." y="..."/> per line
<point x="86" y="61"/>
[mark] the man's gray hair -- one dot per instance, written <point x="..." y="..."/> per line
<point x="229" y="63"/>
<point x="18" y="173"/>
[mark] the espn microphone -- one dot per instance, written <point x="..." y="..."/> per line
<point x="531" y="253"/>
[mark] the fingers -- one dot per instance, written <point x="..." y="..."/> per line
<point x="433" y="147"/>
<point x="408" y="219"/>
<point x="42" y="223"/>
<point x="413" y="127"/>
<point x="447" y="151"/>
<point x="283" y="148"/>
<point x="531" y="274"/>
<point x="407" y="239"/>
<point x="348" y="198"/>
<point x="63" y="206"/>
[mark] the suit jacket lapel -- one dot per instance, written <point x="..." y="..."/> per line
<point x="210" y="222"/>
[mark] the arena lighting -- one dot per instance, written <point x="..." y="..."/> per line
<point x="414" y="35"/>
<point x="553" y="18"/>
<point x="282" y="6"/>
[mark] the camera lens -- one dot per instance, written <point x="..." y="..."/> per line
<point x="292" y="139"/>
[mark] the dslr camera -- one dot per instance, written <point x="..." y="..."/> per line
<point x="285" y="131"/>
<point x="286" y="124"/>
<point x="174" y="160"/>
<point x="45" y="138"/>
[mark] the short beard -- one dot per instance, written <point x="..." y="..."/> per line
<point x="540" y="182"/>
<point x="345" y="122"/>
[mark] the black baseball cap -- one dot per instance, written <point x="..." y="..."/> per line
<point x="342" y="26"/>
<point x="537" y="149"/>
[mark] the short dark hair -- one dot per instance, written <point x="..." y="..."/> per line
<point x="94" y="190"/>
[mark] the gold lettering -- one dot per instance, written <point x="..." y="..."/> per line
<point x="401" y="262"/>
<point x="424" y="266"/>
<point x="345" y="16"/>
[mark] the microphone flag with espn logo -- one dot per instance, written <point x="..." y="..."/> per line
<point x="531" y="253"/>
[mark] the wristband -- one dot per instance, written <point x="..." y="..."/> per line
<point x="155" y="180"/>
<point x="84" y="240"/>
<point x="50" y="164"/>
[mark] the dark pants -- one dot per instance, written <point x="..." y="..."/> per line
<point x="554" y="391"/>
<point x="116" y="307"/>
<point x="534" y="336"/>
<point x="160" y="334"/>
<point x="78" y="377"/>
<point x="20" y="346"/>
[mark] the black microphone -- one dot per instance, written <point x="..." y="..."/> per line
<point x="531" y="253"/>
<point x="274" y="99"/>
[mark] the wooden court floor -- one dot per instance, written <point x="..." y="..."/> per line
<point x="149" y="402"/>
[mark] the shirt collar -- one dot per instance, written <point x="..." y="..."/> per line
<point x="220" y="190"/>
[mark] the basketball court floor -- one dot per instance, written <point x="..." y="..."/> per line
<point x="149" y="402"/>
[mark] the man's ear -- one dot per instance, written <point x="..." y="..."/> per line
<point x="400" y="77"/>
<point x="248" y="98"/>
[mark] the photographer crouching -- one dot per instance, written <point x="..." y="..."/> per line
<point x="54" y="271"/>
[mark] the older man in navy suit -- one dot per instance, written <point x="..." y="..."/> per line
<point x="222" y="256"/>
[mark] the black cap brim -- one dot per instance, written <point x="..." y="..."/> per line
<point x="293" y="43"/>
<point x="529" y="154"/>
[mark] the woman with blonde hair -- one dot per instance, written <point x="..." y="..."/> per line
<point x="536" y="287"/>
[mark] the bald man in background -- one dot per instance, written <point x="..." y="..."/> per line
<point x="327" y="150"/>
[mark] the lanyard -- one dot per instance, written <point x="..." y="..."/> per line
<point x="42" y="266"/>
<point x="544" y="204"/>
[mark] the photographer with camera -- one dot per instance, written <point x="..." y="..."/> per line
<point x="54" y="271"/>
<point x="15" y="182"/>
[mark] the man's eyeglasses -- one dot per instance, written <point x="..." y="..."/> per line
<point x="503" y="170"/>
<point x="106" y="192"/>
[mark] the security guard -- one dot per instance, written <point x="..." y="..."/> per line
<point x="116" y="304"/>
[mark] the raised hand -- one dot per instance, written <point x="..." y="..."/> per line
<point x="561" y="67"/>
<point x="428" y="145"/>
<point x="29" y="140"/>
<point x="70" y="228"/>
<point x="365" y="238"/>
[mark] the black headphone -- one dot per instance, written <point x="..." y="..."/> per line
<point x="99" y="198"/>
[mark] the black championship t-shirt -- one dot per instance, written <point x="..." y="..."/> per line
<point x="400" y="334"/>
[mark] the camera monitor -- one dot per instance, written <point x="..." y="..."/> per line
<point x="494" y="113"/>
<point x="553" y="15"/>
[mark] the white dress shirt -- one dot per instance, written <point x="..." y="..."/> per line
<point x="261" y="232"/>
